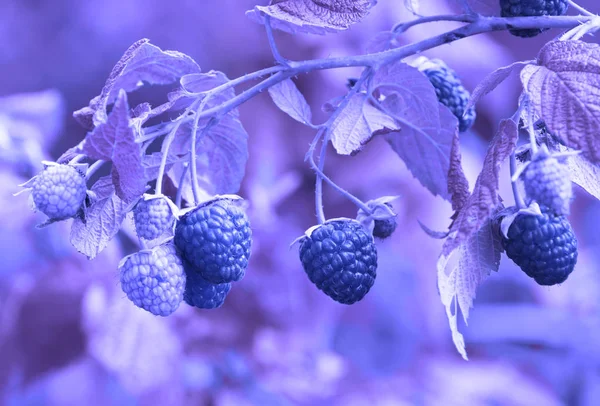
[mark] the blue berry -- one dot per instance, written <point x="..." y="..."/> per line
<point x="154" y="280"/>
<point x="532" y="8"/>
<point x="543" y="246"/>
<point x="340" y="258"/>
<point x="451" y="92"/>
<point x="202" y="294"/>
<point x="215" y="238"/>
<point x="548" y="182"/>
<point x="59" y="191"/>
<point x="152" y="217"/>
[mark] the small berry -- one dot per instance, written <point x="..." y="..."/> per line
<point x="202" y="294"/>
<point x="532" y="8"/>
<point x="59" y="191"/>
<point x="450" y="92"/>
<point x="152" y="217"/>
<point x="385" y="228"/>
<point x="543" y="246"/>
<point x="215" y="238"/>
<point x="547" y="182"/>
<point x="340" y="257"/>
<point x="154" y="280"/>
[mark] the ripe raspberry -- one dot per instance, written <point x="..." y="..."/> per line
<point x="340" y="257"/>
<point x="531" y="8"/>
<point x="201" y="293"/>
<point x="450" y="92"/>
<point x="59" y="191"/>
<point x="543" y="246"/>
<point x="154" y="280"/>
<point x="547" y="182"/>
<point x="153" y="215"/>
<point x="215" y="238"/>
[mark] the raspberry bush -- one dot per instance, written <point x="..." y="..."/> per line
<point x="176" y="167"/>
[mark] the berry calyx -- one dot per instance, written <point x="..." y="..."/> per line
<point x="340" y="258"/>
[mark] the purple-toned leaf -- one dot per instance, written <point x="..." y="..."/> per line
<point x="103" y="219"/>
<point x="288" y="98"/>
<point x="412" y="6"/>
<point x="151" y="164"/>
<point x="142" y="63"/>
<point x="584" y="173"/>
<point x="115" y="141"/>
<point x="485" y="197"/>
<point x="458" y="186"/>
<point x="476" y="258"/>
<point x="312" y="16"/>
<point x="565" y="90"/>
<point x="357" y="123"/>
<point x="382" y="42"/>
<point x="491" y="81"/>
<point x="202" y="82"/>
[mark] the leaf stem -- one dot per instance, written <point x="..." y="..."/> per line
<point x="274" y="50"/>
<point x="580" y="9"/>
<point x="165" y="154"/>
<point x="93" y="169"/>
<point x="515" y="189"/>
<point x="77" y="158"/>
<point x="463" y="18"/>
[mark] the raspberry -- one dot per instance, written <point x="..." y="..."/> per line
<point x="59" y="191"/>
<point x="154" y="280"/>
<point x="531" y="8"/>
<point x="153" y="216"/>
<point x="547" y="182"/>
<point x="543" y="246"/>
<point x="450" y="92"/>
<point x="215" y="238"/>
<point x="201" y="293"/>
<point x="385" y="228"/>
<point x="340" y="257"/>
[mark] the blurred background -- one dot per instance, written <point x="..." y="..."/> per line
<point x="69" y="336"/>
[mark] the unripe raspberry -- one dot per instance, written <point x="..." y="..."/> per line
<point x="154" y="280"/>
<point x="153" y="215"/>
<point x="59" y="191"/>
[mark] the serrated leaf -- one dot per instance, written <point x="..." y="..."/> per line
<point x="141" y="63"/>
<point x="115" y="141"/>
<point x="202" y="82"/>
<point x="103" y="219"/>
<point x="458" y="186"/>
<point x="485" y="197"/>
<point x="288" y="98"/>
<point x="491" y="81"/>
<point x="476" y="258"/>
<point x="584" y="173"/>
<point x="357" y="123"/>
<point x="565" y="90"/>
<point x="312" y="16"/>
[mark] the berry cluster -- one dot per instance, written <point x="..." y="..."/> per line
<point x="532" y="8"/>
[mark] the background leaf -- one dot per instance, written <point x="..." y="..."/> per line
<point x="103" y="219"/>
<point x="115" y="141"/>
<point x="584" y="173"/>
<point x="289" y="100"/>
<point x="565" y="89"/>
<point x="312" y="16"/>
<point x="141" y="63"/>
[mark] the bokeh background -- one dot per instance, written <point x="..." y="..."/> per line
<point x="69" y="336"/>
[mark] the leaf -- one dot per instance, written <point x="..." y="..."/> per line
<point x="458" y="186"/>
<point x="485" y="197"/>
<point x="115" y="141"/>
<point x="382" y="42"/>
<point x="312" y="16"/>
<point x="412" y="6"/>
<point x="565" y="90"/>
<point x="289" y="100"/>
<point x="491" y="81"/>
<point x="357" y="123"/>
<point x="141" y="63"/>
<point x="202" y="82"/>
<point x="103" y="219"/>
<point x="584" y="173"/>
<point x="477" y="257"/>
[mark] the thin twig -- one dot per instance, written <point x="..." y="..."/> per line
<point x="274" y="50"/>
<point x="93" y="168"/>
<point x="165" y="153"/>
